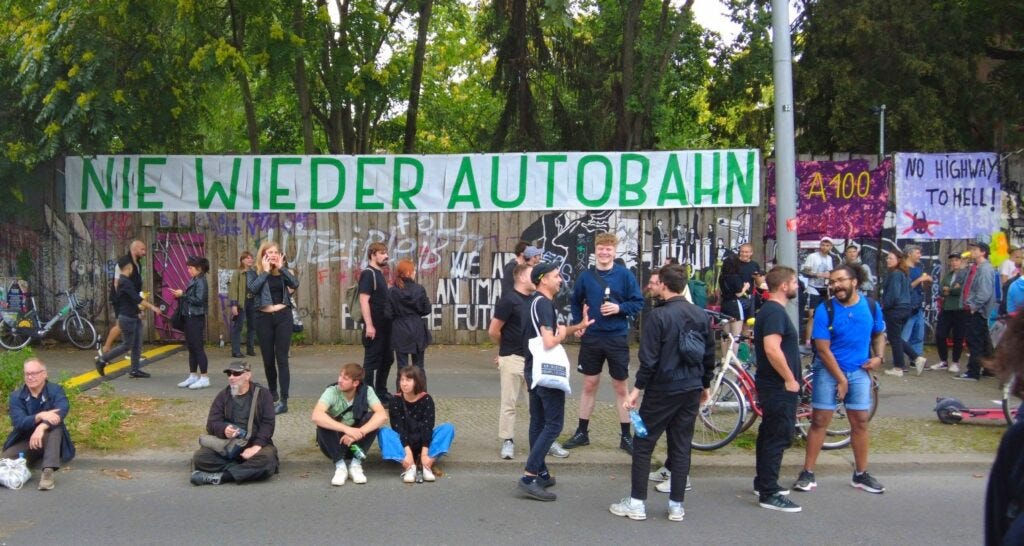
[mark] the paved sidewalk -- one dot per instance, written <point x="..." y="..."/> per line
<point x="464" y="382"/>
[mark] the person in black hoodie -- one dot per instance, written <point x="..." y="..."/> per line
<point x="409" y="304"/>
<point x="677" y="359"/>
<point x="129" y="301"/>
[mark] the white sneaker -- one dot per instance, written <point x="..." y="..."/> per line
<point x="200" y="383"/>
<point x="340" y="475"/>
<point x="954" y="368"/>
<point x="676" y="511"/>
<point x="188" y="381"/>
<point x="939" y="366"/>
<point x="556" y="450"/>
<point x="895" y="372"/>
<point x="428" y="474"/>
<point x="919" y="363"/>
<point x="660" y="475"/>
<point x="666" y="486"/>
<point x="355" y="469"/>
<point x="408" y="475"/>
<point x="628" y="508"/>
<point x="508" y="449"/>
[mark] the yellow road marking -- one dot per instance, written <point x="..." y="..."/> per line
<point x="113" y="367"/>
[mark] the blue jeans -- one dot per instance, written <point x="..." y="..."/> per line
<point x="547" y="415"/>
<point x="913" y="331"/>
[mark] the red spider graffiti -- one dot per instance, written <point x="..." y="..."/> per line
<point x="920" y="225"/>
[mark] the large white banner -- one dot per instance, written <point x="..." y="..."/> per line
<point x="424" y="183"/>
<point x="947" y="196"/>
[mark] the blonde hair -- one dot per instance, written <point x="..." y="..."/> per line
<point x="606" y="239"/>
<point x="264" y="247"/>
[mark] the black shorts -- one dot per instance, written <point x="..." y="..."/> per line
<point x="813" y="300"/>
<point x="595" y="350"/>
<point x="739" y="309"/>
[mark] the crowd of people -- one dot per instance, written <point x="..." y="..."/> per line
<point x="846" y="326"/>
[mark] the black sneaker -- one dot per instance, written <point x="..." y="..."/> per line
<point x="779" y="502"/>
<point x="579" y="439"/>
<point x="966" y="376"/>
<point x="546" y="483"/>
<point x="138" y="374"/>
<point x="250" y="352"/>
<point x="805" y="482"/>
<point x="535" y="490"/>
<point x="205" y="478"/>
<point x="867" y="482"/>
<point x="626" y="444"/>
<point x="100" y="364"/>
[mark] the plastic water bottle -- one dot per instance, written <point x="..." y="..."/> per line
<point x="358" y="452"/>
<point x="21" y="455"/>
<point x="639" y="428"/>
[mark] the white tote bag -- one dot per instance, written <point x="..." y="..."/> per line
<point x="550" y="366"/>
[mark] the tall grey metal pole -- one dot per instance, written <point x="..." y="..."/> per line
<point x="785" y="155"/>
<point x="881" y="134"/>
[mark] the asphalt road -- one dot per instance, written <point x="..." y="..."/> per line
<point x="96" y="505"/>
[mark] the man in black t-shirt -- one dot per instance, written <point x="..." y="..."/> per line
<point x="547" y="405"/>
<point x="373" y="300"/>
<point x="777" y="345"/>
<point x="136" y="251"/>
<point x="524" y="254"/>
<point x="506" y="329"/>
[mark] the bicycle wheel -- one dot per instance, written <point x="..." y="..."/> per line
<point x="81" y="333"/>
<point x="751" y="415"/>
<point x="1011" y="404"/>
<point x="10" y="338"/>
<point x="719" y="421"/>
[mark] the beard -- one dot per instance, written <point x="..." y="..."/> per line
<point x="235" y="389"/>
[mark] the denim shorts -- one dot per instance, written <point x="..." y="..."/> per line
<point x="858" y="395"/>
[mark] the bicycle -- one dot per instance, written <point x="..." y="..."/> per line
<point x="17" y="330"/>
<point x="733" y="405"/>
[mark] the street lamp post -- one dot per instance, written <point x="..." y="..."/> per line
<point x="880" y="111"/>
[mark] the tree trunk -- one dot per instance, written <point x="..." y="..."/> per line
<point x="301" y="82"/>
<point x="237" y="41"/>
<point x="624" y="117"/>
<point x="409" y="146"/>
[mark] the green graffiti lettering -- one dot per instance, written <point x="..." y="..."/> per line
<point x="496" y="176"/>
<point x="89" y="176"/>
<point x="314" y="183"/>
<point x="398" y="194"/>
<point x="257" y="164"/>
<point x="144" y="189"/>
<point x="698" y="189"/>
<point x="361" y="190"/>
<point x="736" y="177"/>
<point x="636" y="187"/>
<point x="674" y="177"/>
<point x="551" y="160"/>
<point x="227" y="198"/>
<point x="276" y="193"/>
<point x="581" y="180"/>
<point x="465" y="175"/>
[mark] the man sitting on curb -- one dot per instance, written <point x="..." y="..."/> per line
<point x="37" y="411"/>
<point x="347" y="417"/>
<point x="229" y="418"/>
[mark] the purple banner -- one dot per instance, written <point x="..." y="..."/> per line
<point x="838" y="199"/>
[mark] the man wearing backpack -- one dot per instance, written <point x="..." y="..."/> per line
<point x="373" y="302"/>
<point x="677" y="359"/>
<point x="848" y="348"/>
<point x="613" y="295"/>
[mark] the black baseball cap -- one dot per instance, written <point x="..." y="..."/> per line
<point x="980" y="246"/>
<point x="238" y="366"/>
<point x="540" y="270"/>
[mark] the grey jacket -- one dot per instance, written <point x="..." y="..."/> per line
<point x="982" y="294"/>
<point x="257" y="283"/>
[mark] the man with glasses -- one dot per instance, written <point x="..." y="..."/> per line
<point x="849" y="343"/>
<point x="38" y="410"/>
<point x="229" y="418"/>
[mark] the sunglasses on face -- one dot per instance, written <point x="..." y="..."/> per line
<point x="234" y="374"/>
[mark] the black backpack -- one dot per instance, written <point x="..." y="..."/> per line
<point x="831" y="311"/>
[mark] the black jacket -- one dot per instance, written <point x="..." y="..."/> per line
<point x="128" y="297"/>
<point x="409" y="304"/>
<point x="661" y="369"/>
<point x="263" y="422"/>
<point x="195" y="296"/>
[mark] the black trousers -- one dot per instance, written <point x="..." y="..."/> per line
<point x="978" y="342"/>
<point x="260" y="466"/>
<point x="775" y="434"/>
<point x="275" y="334"/>
<point x="53" y="439"/>
<point x="377" y="359"/>
<point x="950" y="325"/>
<point x="674" y="414"/>
<point x="331" y="446"/>
<point x="247" y="317"/>
<point x="195" y="332"/>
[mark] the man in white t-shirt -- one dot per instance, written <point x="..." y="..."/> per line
<point x="817" y="268"/>
<point x="1011" y="266"/>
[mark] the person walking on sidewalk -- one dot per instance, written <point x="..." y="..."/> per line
<point x="195" y="299"/>
<point x="38" y="411"/>
<point x="547" y="405"/>
<point x="129" y="304"/>
<point x="614" y="293"/>
<point x="897" y="308"/>
<point x="136" y="251"/>
<point x="272" y="286"/>
<point x="243" y="307"/>
<point x="677" y="360"/>
<point x="847" y="350"/>
<point x="950" y="325"/>
<point x="373" y="302"/>
<point x="978" y="298"/>
<point x="777" y="342"/>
